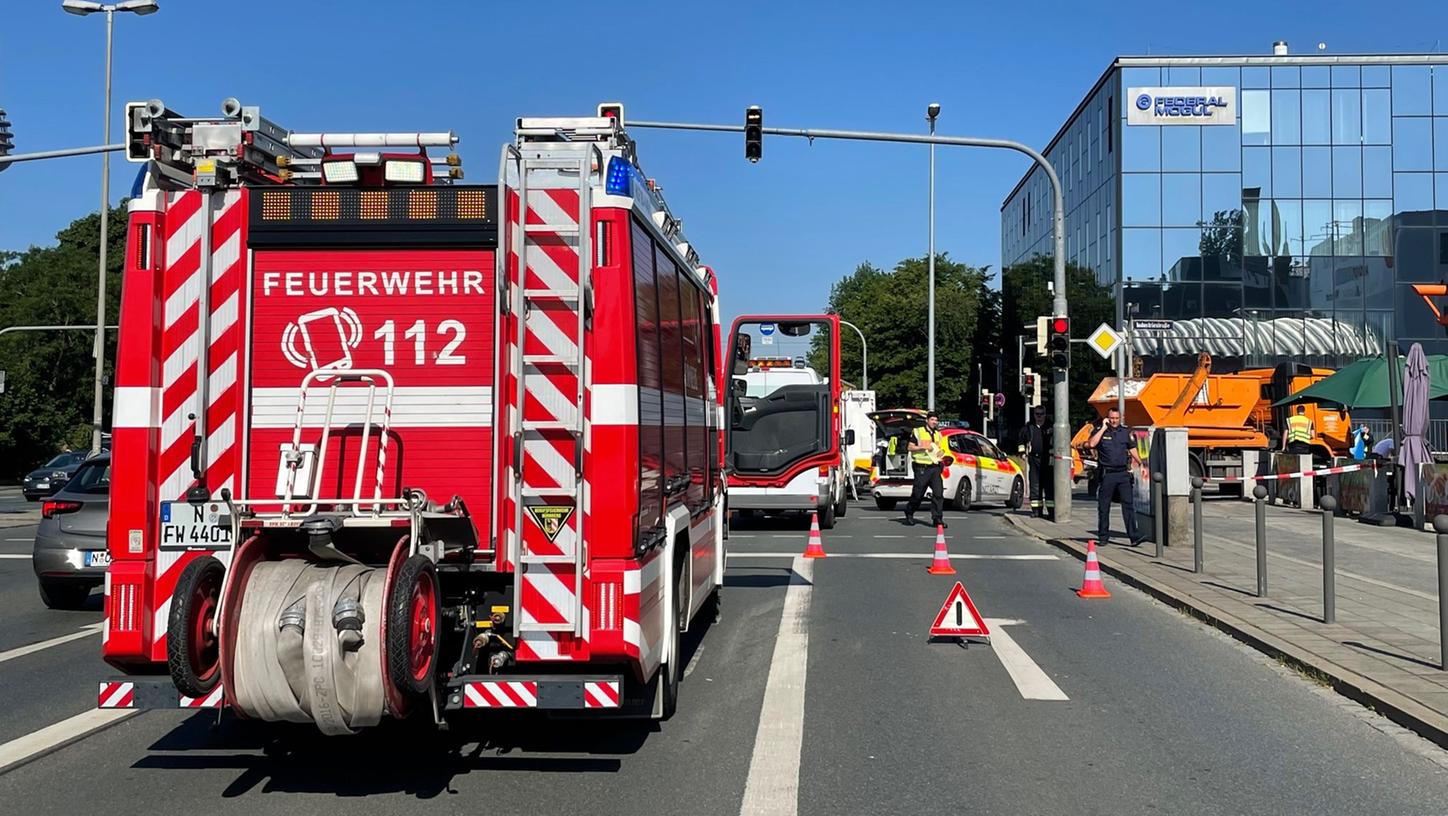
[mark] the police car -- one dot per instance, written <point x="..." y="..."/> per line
<point x="980" y="472"/>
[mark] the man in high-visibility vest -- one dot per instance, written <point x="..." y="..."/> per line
<point x="1298" y="438"/>
<point x="928" y="451"/>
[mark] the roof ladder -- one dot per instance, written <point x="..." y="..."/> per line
<point x="550" y="303"/>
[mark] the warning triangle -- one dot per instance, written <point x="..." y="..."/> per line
<point x="958" y="617"/>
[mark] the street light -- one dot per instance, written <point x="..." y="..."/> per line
<point x="931" y="112"/>
<point x="82" y="8"/>
<point x="864" y="355"/>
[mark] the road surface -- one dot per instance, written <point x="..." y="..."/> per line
<point x="816" y="693"/>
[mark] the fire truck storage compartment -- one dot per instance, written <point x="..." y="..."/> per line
<point x="398" y="280"/>
<point x="781" y="428"/>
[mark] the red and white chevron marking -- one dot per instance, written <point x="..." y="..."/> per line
<point x="550" y="261"/>
<point x="501" y="694"/>
<point x="180" y="352"/>
<point x="604" y="694"/>
<point x="216" y="699"/>
<point x="116" y="695"/>
<point x="1301" y="474"/>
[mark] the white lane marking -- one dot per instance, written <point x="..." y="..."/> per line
<point x="772" y="788"/>
<point x="21" y="651"/>
<point x="1031" y="682"/>
<point x="15" y="556"/>
<point x="967" y="556"/>
<point x="66" y="731"/>
<point x="986" y="538"/>
<point x="19" y="539"/>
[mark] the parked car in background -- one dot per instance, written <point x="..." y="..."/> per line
<point x="70" y="545"/>
<point x="979" y="473"/>
<point x="51" y="476"/>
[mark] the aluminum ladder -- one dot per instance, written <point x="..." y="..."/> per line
<point x="541" y="171"/>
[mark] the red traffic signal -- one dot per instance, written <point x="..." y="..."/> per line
<point x="1061" y="325"/>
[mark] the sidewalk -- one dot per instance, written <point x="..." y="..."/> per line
<point x="1383" y="649"/>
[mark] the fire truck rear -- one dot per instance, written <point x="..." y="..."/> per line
<point x="388" y="443"/>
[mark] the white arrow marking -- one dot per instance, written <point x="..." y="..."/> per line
<point x="1031" y="682"/>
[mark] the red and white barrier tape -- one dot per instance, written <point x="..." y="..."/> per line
<point x="1301" y="474"/>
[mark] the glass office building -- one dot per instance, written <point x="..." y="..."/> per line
<point x="1272" y="207"/>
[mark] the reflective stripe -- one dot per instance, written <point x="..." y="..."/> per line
<point x="1299" y="428"/>
<point x="925" y="437"/>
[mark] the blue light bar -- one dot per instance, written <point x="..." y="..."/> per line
<point x="620" y="173"/>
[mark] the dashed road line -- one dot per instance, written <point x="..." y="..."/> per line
<point x="1030" y="680"/>
<point x="15" y="556"/>
<point x="919" y="555"/>
<point x="51" y="737"/>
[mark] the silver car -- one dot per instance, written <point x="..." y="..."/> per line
<point x="70" y="544"/>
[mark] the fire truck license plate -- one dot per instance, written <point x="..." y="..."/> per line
<point x="186" y="526"/>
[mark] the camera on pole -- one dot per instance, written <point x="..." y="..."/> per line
<point x="7" y="139"/>
<point x="1059" y="343"/>
<point x="753" y="133"/>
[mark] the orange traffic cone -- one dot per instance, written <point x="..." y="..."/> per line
<point x="941" y="564"/>
<point x="1091" y="586"/>
<point x="815" y="548"/>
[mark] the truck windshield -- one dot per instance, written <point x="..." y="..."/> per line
<point x="764" y="383"/>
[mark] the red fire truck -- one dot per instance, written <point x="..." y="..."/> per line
<point x="786" y="440"/>
<point x="385" y="442"/>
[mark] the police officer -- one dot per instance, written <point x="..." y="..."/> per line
<point x="1036" y="447"/>
<point x="1298" y="438"/>
<point x="927" y="450"/>
<point x="1116" y="452"/>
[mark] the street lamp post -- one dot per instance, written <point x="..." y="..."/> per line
<point x="864" y="355"/>
<point x="931" y="112"/>
<point x="83" y="8"/>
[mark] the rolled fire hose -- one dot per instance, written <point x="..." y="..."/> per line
<point x="299" y="656"/>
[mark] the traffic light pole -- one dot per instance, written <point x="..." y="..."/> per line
<point x="1060" y="426"/>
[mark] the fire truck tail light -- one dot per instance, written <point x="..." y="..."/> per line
<point x="619" y="173"/>
<point x="609" y="604"/>
<point x="410" y="172"/>
<point x="339" y="172"/>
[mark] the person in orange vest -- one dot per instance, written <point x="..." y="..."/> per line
<point x="928" y="452"/>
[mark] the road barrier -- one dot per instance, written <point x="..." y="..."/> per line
<point x="1260" y="494"/>
<point x="1158" y="512"/>
<point x="1300" y="474"/>
<point x="1329" y="561"/>
<point x="1197" y="482"/>
<point x="1440" y="525"/>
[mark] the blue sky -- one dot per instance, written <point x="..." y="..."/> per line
<point x="778" y="233"/>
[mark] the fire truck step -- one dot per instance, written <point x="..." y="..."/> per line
<point x="529" y="558"/>
<point x="550" y="425"/>
<point x="551" y="294"/>
<point x="555" y="359"/>
<point x="550" y="229"/>
<point x="546" y="492"/>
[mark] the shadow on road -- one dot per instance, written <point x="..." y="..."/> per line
<point x="410" y="757"/>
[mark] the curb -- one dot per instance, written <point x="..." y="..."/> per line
<point x="1403" y="710"/>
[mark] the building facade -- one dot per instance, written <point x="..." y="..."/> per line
<point x="1274" y="208"/>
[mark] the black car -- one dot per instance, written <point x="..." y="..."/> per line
<point x="50" y="477"/>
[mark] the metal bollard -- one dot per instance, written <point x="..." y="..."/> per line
<point x="1197" y="524"/>
<point x="1329" y="560"/>
<point x="1440" y="524"/>
<point x="1260" y="494"/>
<point x="1158" y="511"/>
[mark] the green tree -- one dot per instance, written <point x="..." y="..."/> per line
<point x="1025" y="296"/>
<point x="49" y="375"/>
<point x="890" y="308"/>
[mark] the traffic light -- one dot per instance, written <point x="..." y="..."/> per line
<point x="753" y="133"/>
<point x="1042" y="332"/>
<point x="7" y="140"/>
<point x="985" y="404"/>
<point x="1031" y="387"/>
<point x="611" y="110"/>
<point x="1059" y="343"/>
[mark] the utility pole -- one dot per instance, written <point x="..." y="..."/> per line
<point x="931" y="112"/>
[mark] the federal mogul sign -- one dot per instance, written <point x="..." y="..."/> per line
<point x="1181" y="106"/>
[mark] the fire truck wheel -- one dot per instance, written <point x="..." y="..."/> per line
<point x="674" y="669"/>
<point x="193" y="653"/>
<point x="885" y="504"/>
<point x="827" y="517"/>
<point x="412" y="626"/>
<point x="961" y="501"/>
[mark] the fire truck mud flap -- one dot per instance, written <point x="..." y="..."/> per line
<point x="562" y="692"/>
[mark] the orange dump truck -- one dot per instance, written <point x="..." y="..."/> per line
<point x="1225" y="414"/>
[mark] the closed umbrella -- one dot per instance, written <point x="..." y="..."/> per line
<point x="1415" y="419"/>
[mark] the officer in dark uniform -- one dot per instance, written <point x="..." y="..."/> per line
<point x="1035" y="446"/>
<point x="1116" y="452"/>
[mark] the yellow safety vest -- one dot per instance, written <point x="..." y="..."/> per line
<point x="924" y="436"/>
<point x="1299" y="429"/>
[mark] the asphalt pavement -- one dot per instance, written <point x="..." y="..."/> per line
<point x="817" y="692"/>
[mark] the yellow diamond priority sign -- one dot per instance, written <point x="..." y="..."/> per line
<point x="1104" y="340"/>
